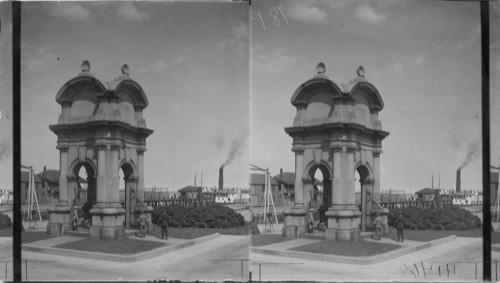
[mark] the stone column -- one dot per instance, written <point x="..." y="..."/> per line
<point x="114" y="191"/>
<point x="337" y="179"/>
<point x="298" y="188"/>
<point x="363" y="207"/>
<point x="101" y="175"/>
<point x="376" y="181"/>
<point x="140" y="176"/>
<point x="59" y="218"/>
<point x="63" y="177"/>
<point x="295" y="222"/>
<point x="350" y="186"/>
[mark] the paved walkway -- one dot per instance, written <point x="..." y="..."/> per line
<point x="460" y="249"/>
<point x="57" y="267"/>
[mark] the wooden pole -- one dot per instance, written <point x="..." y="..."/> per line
<point x="423" y="269"/>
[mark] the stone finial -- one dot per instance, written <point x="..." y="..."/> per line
<point x="125" y="70"/>
<point x="85" y="67"/>
<point x="320" y="68"/>
<point x="360" y="71"/>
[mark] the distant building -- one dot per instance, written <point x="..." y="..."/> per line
<point x="257" y="189"/>
<point x="50" y="184"/>
<point x="40" y="194"/>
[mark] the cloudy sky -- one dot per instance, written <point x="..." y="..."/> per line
<point x="191" y="59"/>
<point x="6" y="96"/>
<point x="423" y="57"/>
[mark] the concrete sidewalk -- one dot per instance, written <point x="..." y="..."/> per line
<point x="284" y="249"/>
<point x="172" y="244"/>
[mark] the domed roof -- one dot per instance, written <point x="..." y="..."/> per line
<point x="86" y="80"/>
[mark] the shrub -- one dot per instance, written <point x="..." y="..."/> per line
<point x="43" y="213"/>
<point x="5" y="221"/>
<point x="214" y="216"/>
<point x="450" y="218"/>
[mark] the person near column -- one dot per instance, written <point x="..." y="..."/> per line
<point x="310" y="224"/>
<point x="378" y="225"/>
<point x="400" y="225"/>
<point x="164" y="225"/>
<point x="142" y="223"/>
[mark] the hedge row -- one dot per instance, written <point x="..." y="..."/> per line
<point x="450" y="218"/>
<point x="214" y="216"/>
<point x="5" y="221"/>
<point x="43" y="213"/>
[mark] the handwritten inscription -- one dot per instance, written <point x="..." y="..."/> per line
<point x="275" y="13"/>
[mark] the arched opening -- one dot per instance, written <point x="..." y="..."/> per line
<point x="363" y="189"/>
<point x="128" y="185"/>
<point x="321" y="189"/>
<point x="84" y="194"/>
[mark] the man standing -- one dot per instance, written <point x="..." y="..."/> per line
<point x="400" y="225"/>
<point x="378" y="225"/>
<point x="142" y="223"/>
<point x="164" y="225"/>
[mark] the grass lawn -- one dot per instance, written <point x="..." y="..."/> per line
<point x="33" y="236"/>
<point x="119" y="246"/>
<point x="266" y="239"/>
<point x="6" y="232"/>
<point x="191" y="233"/>
<point x="429" y="235"/>
<point x="495" y="237"/>
<point x="355" y="249"/>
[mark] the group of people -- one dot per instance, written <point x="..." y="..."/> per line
<point x="163" y="221"/>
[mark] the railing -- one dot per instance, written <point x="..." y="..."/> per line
<point x="435" y="270"/>
<point x="419" y="204"/>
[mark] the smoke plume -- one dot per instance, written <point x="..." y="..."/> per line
<point x="473" y="152"/>
<point x="236" y="150"/>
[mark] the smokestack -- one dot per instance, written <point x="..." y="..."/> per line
<point x="221" y="178"/>
<point x="458" y="180"/>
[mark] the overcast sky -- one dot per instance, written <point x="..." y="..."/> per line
<point x="191" y="59"/>
<point x="423" y="57"/>
<point x="6" y="96"/>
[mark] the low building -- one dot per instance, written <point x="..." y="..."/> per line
<point x="50" y="184"/>
<point x="40" y="194"/>
<point x="257" y="190"/>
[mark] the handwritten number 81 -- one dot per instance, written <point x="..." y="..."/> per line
<point x="273" y="12"/>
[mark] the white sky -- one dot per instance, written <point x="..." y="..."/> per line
<point x="192" y="61"/>
<point x="423" y="56"/>
<point x="190" y="58"/>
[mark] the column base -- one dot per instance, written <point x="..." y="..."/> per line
<point x="295" y="222"/>
<point x="59" y="219"/>
<point x="343" y="224"/>
<point x="107" y="222"/>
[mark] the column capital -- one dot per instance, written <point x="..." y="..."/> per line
<point x="63" y="149"/>
<point x="298" y="150"/>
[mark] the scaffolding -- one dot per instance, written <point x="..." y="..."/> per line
<point x="31" y="200"/>
<point x="268" y="202"/>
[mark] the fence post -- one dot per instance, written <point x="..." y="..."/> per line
<point x="439" y="270"/>
<point x="26" y="270"/>
<point x="496" y="269"/>
<point x="260" y="274"/>
<point x="241" y="270"/>
<point x="448" y="270"/>
<point x="475" y="272"/>
<point x="423" y="268"/>
<point x="414" y="264"/>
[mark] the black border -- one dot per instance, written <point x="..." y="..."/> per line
<point x="485" y="102"/>
<point x="16" y="109"/>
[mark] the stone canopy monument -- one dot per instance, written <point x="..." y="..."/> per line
<point x="338" y="131"/>
<point x="101" y="127"/>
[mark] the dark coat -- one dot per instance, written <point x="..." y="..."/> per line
<point x="400" y="222"/>
<point x="164" y="221"/>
